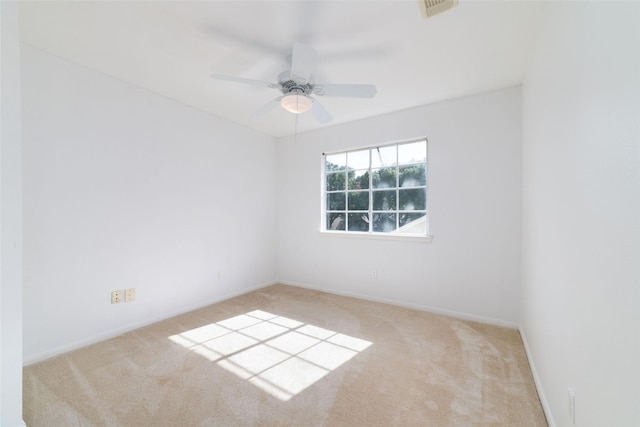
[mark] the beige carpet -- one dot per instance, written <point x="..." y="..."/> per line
<point x="289" y="356"/>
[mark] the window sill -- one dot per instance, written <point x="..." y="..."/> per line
<point x="378" y="236"/>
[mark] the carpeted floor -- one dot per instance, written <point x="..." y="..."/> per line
<point x="291" y="357"/>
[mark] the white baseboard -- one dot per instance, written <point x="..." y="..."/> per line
<point x="28" y="360"/>
<point x="543" y="399"/>
<point x="434" y="310"/>
<point x="38" y="357"/>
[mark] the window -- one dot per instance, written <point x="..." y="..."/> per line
<point x="378" y="190"/>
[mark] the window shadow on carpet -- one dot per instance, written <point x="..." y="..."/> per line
<point x="279" y="355"/>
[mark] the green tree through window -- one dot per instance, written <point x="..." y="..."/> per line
<point x="377" y="190"/>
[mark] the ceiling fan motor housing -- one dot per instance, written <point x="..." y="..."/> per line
<point x="292" y="86"/>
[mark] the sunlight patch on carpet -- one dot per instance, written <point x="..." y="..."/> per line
<point x="279" y="355"/>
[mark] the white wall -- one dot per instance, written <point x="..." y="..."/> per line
<point x="472" y="266"/>
<point x="10" y="221"/>
<point x="581" y="204"/>
<point x="124" y="188"/>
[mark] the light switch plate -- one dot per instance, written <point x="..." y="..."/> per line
<point x="129" y="294"/>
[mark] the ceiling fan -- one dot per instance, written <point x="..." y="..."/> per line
<point x="297" y="85"/>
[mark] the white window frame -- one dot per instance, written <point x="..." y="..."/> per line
<point x="427" y="237"/>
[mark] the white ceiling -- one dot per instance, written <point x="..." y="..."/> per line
<point x="172" y="48"/>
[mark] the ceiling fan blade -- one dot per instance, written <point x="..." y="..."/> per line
<point x="320" y="113"/>
<point x="246" y="81"/>
<point x="267" y="107"/>
<point x="346" y="90"/>
<point x="303" y="58"/>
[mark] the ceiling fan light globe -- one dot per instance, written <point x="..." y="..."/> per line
<point x="296" y="104"/>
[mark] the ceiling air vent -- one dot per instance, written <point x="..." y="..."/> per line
<point x="434" y="7"/>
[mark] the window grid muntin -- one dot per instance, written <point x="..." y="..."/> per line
<point x="397" y="211"/>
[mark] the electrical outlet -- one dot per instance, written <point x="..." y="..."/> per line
<point x="116" y="297"/>
<point x="374" y="274"/>
<point x="572" y="406"/>
<point x="129" y="294"/>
